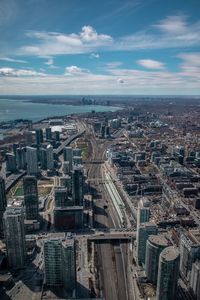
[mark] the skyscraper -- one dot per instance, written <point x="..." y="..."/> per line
<point x="143" y="232"/>
<point x="32" y="161"/>
<point x="48" y="134"/>
<point x="195" y="279"/>
<point x="143" y="212"/>
<point x="61" y="197"/>
<point x="189" y="252"/>
<point x="30" y="197"/>
<point x="50" y="160"/>
<point x="77" y="185"/>
<point x="155" y="245"/>
<point x="11" y="165"/>
<point x="168" y="273"/>
<point x="3" y="202"/>
<point x="21" y="158"/>
<point x="67" y="151"/>
<point x="15" y="237"/>
<point x="60" y="263"/>
<point x="39" y="136"/>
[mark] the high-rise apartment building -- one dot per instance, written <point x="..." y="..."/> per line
<point x="39" y="136"/>
<point x="154" y="246"/>
<point x="143" y="232"/>
<point x="189" y="252"/>
<point x="68" y="156"/>
<point x="168" y="273"/>
<point x="30" y="197"/>
<point x="32" y="161"/>
<point x="61" y="197"/>
<point x="77" y="185"/>
<point x="50" y="158"/>
<point x="143" y="212"/>
<point x="21" y="158"/>
<point x="13" y="220"/>
<point x="11" y="165"/>
<point x="48" y="134"/>
<point x="195" y="279"/>
<point x="60" y="263"/>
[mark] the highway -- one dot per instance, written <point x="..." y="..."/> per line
<point x="111" y="267"/>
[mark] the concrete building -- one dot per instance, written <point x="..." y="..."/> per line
<point x="195" y="279"/>
<point x="43" y="158"/>
<point x="3" y="203"/>
<point x="77" y="185"/>
<point x="68" y="156"/>
<point x="15" y="237"/>
<point x="31" y="197"/>
<point x="11" y="165"/>
<point x="50" y="158"/>
<point x="32" y="161"/>
<point x="168" y="273"/>
<point x="155" y="245"/>
<point x="143" y="232"/>
<point x="189" y="252"/>
<point x="60" y="263"/>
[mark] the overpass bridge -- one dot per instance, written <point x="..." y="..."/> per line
<point x="67" y="142"/>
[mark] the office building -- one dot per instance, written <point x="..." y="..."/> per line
<point x="68" y="156"/>
<point x="168" y="273"/>
<point x="195" y="279"/>
<point x="43" y="158"/>
<point x="32" y="161"/>
<point x="3" y="203"/>
<point x="60" y="263"/>
<point x="50" y="158"/>
<point x="143" y="232"/>
<point x="189" y="252"/>
<point x="61" y="197"/>
<point x="39" y="136"/>
<point x="67" y="218"/>
<point x="13" y="220"/>
<point x="11" y="165"/>
<point x="154" y="246"/>
<point x="78" y="185"/>
<point x="31" y="197"/>
<point x="21" y="158"/>
<point x="143" y="212"/>
<point x="48" y="134"/>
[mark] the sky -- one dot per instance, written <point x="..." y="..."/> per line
<point x="87" y="47"/>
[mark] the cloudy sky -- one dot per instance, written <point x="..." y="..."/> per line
<point x="138" y="47"/>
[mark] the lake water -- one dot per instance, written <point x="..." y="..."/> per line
<point x="20" y="109"/>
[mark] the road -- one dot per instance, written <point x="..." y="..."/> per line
<point x="113" y="281"/>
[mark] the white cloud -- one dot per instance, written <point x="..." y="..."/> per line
<point x="173" y="24"/>
<point x="171" y="32"/>
<point x="94" y="55"/>
<point x="74" y="70"/>
<point x="19" y="72"/>
<point x="13" y="60"/>
<point x="151" y="64"/>
<point x="55" y="43"/>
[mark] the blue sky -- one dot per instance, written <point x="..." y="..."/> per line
<point x="133" y="47"/>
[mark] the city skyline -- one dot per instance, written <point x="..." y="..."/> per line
<point x="109" y="47"/>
